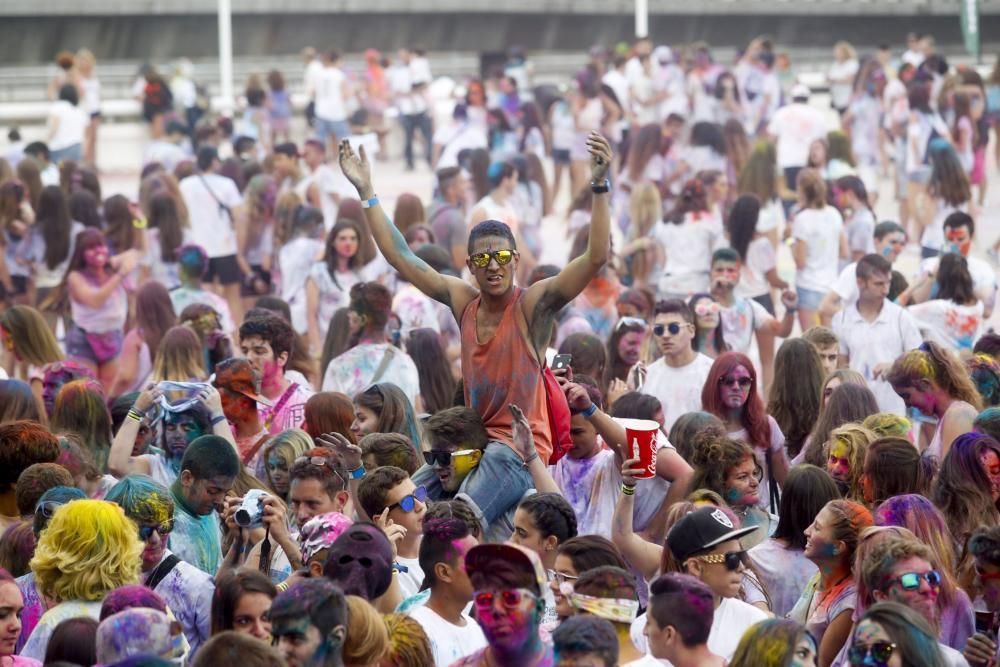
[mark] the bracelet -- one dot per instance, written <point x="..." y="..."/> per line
<point x="282" y="587"/>
<point x="627" y="489"/>
<point x="600" y="188"/>
<point x="369" y="203"/>
<point x="217" y="420"/>
<point x="357" y="473"/>
<point x="140" y="223"/>
<point x="531" y="458"/>
<point x="134" y="414"/>
<point x="589" y="412"/>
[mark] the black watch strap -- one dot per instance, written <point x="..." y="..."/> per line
<point x="601" y="187"/>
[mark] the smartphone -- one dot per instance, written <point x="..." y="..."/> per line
<point x="562" y="361"/>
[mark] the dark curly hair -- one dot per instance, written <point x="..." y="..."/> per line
<point x="712" y="458"/>
<point x="277" y="332"/>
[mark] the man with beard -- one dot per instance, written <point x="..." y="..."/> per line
<point x="181" y="424"/>
<point x="309" y="624"/>
<point x="267" y="342"/>
<point x="186" y="589"/>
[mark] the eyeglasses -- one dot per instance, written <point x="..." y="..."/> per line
<point x="630" y="322"/>
<point x="559" y="577"/>
<point x="911" y="580"/>
<point x="731" y="560"/>
<point x="730" y="381"/>
<point x="674" y="328"/>
<point x="709" y="308"/>
<point x="319" y="462"/>
<point x="145" y="532"/>
<point x="407" y="503"/>
<point x="510" y="598"/>
<point x="482" y="259"/>
<point x="442" y="458"/>
<point x="879" y="651"/>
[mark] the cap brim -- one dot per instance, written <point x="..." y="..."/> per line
<point x="482" y="556"/>
<point x="731" y="535"/>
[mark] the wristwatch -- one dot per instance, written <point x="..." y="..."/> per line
<point x="601" y="187"/>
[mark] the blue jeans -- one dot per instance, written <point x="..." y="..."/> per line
<point x="496" y="485"/>
<point x="325" y="128"/>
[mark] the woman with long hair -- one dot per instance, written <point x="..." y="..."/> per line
<point x="241" y="603"/>
<point x="948" y="191"/>
<point x="687" y="238"/>
<point x="894" y="467"/>
<point x="847" y="448"/>
<point x="796" y="394"/>
<point x="840" y="377"/>
<point x="88" y="549"/>
<point x="80" y="410"/>
<point x="933" y="381"/>
<point x="731" y="393"/>
<point x="119" y="230"/>
<point x="280" y="453"/>
<point x="963" y="130"/>
<point x="624" y="351"/>
<point x="643" y="257"/>
<point x="257" y="246"/>
<point x="98" y="303"/>
<point x="954" y="317"/>
<point x="708" y="336"/>
<point x="17" y="403"/>
<point x="437" y="384"/>
<point x="737" y="148"/>
<point x="154" y="315"/>
<point x="827" y="603"/>
<point x="757" y="255"/>
<point x="16" y="217"/>
<point x="760" y="178"/>
<point x="851" y="198"/>
<point x="51" y="246"/>
<point x="967" y="487"/>
<point x="645" y="163"/>
<point x="898" y="634"/>
<point x="329" y="412"/>
<point x="167" y="231"/>
<point x="179" y="357"/>
<point x="780" y="560"/>
<point x="330" y="280"/>
<point x="925" y="521"/>
<point x="819" y="244"/>
<point x="848" y="403"/>
<point x="384" y="408"/>
<point x="776" y="642"/>
<point x="27" y="345"/>
<point x="729" y="468"/>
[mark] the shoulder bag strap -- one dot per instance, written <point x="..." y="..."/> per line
<point x="217" y="200"/>
<point x="256" y="447"/>
<point x="383" y="365"/>
<point x="161" y="571"/>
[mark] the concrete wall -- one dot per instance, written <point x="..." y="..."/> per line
<point x="34" y="40"/>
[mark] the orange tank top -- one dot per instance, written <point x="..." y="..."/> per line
<point x="503" y="371"/>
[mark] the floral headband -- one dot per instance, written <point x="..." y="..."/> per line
<point x="616" y="610"/>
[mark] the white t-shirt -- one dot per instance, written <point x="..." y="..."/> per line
<point x="313" y="70"/>
<point x="784" y="571"/>
<point x="840" y="92"/>
<point x="949" y="324"/>
<point x="820" y="229"/>
<point x="867" y="345"/>
<point x="846" y="285"/>
<point x="860" y="231"/>
<point x="761" y="258"/>
<point x="678" y="389"/>
<point x="689" y="247"/>
<point x="411" y="580"/>
<point x="796" y="126"/>
<point x="732" y="618"/>
<point x="211" y="225"/>
<point x="329" y="182"/>
<point x="449" y="642"/>
<point x="73" y="121"/>
<point x="166" y="153"/>
<point x="740" y="321"/>
<point x="330" y="103"/>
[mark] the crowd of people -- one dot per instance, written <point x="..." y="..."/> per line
<point x="252" y="419"/>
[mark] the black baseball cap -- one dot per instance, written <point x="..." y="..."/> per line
<point x="701" y="530"/>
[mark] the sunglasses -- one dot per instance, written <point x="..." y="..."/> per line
<point x="559" y="577"/>
<point x="164" y="529"/>
<point x="482" y="259"/>
<point x="730" y="381"/>
<point x="986" y="576"/>
<point x="706" y="308"/>
<point x="407" y="503"/>
<point x="319" y="462"/>
<point x="674" y="328"/>
<point x="630" y="322"/>
<point x="510" y="598"/>
<point x="880" y="652"/>
<point x="911" y="580"/>
<point x="442" y="458"/>
<point x="731" y="560"/>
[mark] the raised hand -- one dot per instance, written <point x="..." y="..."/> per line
<point x="356" y="168"/>
<point x="790" y="299"/>
<point x="600" y="156"/>
<point x="392" y="530"/>
<point x="576" y="396"/>
<point x="350" y="453"/>
<point x="631" y="469"/>
<point x="524" y="440"/>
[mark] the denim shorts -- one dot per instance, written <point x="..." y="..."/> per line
<point x="809" y="299"/>
<point x="95" y="348"/>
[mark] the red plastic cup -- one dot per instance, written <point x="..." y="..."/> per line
<point x="640" y="443"/>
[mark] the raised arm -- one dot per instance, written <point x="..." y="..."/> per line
<point x="452" y="292"/>
<point x="547" y="297"/>
<point x="642" y="555"/>
<point x="120" y="459"/>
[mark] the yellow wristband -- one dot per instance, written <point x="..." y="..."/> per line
<point x="139" y="223"/>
